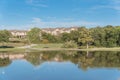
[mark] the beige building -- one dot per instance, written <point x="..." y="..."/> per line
<point x="53" y="31"/>
<point x="57" y="31"/>
<point x="19" y="33"/>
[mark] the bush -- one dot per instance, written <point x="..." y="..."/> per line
<point x="45" y="41"/>
<point x="69" y="44"/>
<point x="6" y="47"/>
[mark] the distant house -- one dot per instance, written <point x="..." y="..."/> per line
<point x="57" y="31"/>
<point x="19" y="33"/>
<point x="54" y="31"/>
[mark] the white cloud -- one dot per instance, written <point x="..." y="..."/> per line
<point x="38" y="22"/>
<point x="36" y="3"/>
<point x="29" y="1"/>
<point x="114" y="4"/>
<point x="116" y="1"/>
<point x="50" y="17"/>
<point x="111" y="4"/>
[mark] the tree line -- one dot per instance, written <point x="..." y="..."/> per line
<point x="107" y="36"/>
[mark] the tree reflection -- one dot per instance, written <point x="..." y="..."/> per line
<point x="34" y="59"/>
<point x="82" y="59"/>
<point x="4" y="62"/>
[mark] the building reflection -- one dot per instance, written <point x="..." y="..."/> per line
<point x="84" y="60"/>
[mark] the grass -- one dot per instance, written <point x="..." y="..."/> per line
<point x="53" y="47"/>
<point x="73" y="49"/>
<point x="12" y="49"/>
<point x="48" y="46"/>
<point x="104" y="49"/>
<point x="13" y="44"/>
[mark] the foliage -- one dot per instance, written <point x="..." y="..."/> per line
<point x="117" y="29"/>
<point x="84" y="36"/>
<point x="98" y="34"/>
<point x="66" y="37"/>
<point x="4" y="36"/>
<point x="45" y="41"/>
<point x="48" y="37"/>
<point x="69" y="44"/>
<point x="110" y="37"/>
<point x="107" y="36"/>
<point x="4" y="62"/>
<point x="34" y="35"/>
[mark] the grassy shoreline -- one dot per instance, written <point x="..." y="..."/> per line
<point x="12" y="49"/>
<point x="75" y="49"/>
<point x="59" y="49"/>
<point x="54" y="47"/>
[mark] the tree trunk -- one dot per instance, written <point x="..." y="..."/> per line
<point x="87" y="46"/>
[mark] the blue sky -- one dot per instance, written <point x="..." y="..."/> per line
<point x="24" y="14"/>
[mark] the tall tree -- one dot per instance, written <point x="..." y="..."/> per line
<point x="84" y="36"/>
<point x="111" y="36"/>
<point x="118" y="35"/>
<point x="98" y="34"/>
<point x="34" y="35"/>
<point x="4" y="36"/>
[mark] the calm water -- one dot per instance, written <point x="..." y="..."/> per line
<point x="67" y="65"/>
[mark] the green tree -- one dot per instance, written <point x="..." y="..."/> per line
<point x="118" y="35"/>
<point x="98" y="34"/>
<point x="111" y="36"/>
<point x="34" y="35"/>
<point x="75" y="35"/>
<point x="4" y="36"/>
<point x="49" y="37"/>
<point x="84" y="36"/>
<point x="66" y="37"/>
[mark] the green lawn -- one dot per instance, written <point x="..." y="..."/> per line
<point x="53" y="46"/>
<point x="12" y="49"/>
<point x="13" y="44"/>
<point x="48" y="46"/>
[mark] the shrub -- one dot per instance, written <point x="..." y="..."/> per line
<point x="45" y="41"/>
<point x="69" y="44"/>
<point x="6" y="47"/>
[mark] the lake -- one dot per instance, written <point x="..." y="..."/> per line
<point x="60" y="65"/>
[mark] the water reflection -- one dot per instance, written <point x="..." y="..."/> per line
<point x="60" y="65"/>
<point x="82" y="59"/>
